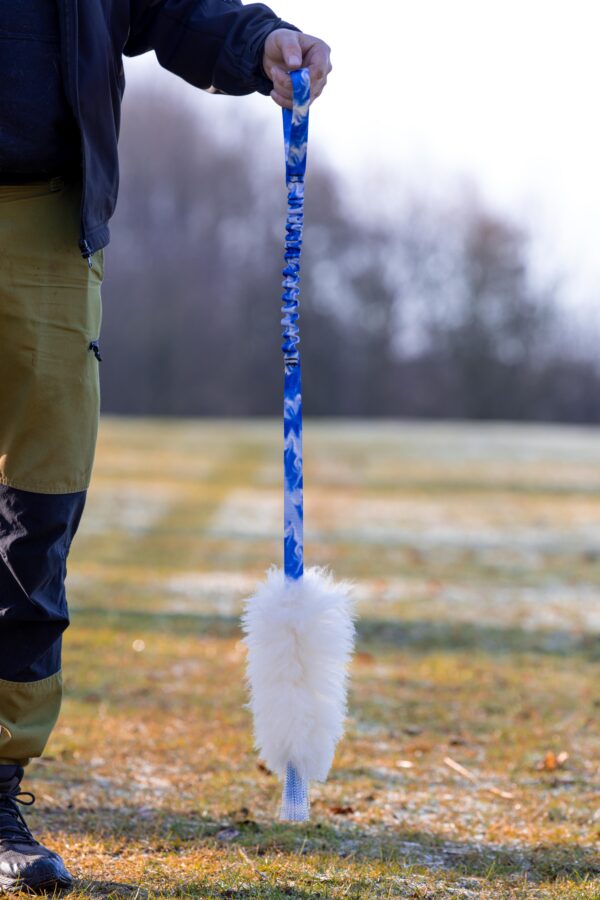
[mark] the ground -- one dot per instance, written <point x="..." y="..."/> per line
<point x="470" y="766"/>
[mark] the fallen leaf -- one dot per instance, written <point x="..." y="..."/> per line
<point x="549" y="762"/>
<point x="341" y="810"/>
<point x="552" y="761"/>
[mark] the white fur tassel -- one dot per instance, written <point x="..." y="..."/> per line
<point x="300" y="637"/>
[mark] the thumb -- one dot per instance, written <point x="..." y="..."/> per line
<point x="291" y="50"/>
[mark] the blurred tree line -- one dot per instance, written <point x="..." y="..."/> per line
<point x="437" y="313"/>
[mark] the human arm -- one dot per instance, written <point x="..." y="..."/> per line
<point x="214" y="44"/>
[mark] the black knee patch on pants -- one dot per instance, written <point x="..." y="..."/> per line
<point x="36" y="531"/>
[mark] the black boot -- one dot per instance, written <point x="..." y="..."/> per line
<point x="24" y="863"/>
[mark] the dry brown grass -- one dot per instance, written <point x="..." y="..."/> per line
<point x="471" y="762"/>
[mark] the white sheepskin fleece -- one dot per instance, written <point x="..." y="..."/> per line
<point x="300" y="637"/>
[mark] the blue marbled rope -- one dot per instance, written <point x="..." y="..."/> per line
<point x="295" y="802"/>
<point x="295" y="130"/>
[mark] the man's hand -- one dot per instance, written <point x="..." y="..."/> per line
<point x="286" y="50"/>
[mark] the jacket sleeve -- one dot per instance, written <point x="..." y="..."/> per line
<point x="213" y="44"/>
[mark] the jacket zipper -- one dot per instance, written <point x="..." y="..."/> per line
<point x="86" y="251"/>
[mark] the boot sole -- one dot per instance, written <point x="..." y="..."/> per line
<point x="54" y="884"/>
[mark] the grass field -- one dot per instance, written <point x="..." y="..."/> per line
<point x="471" y="765"/>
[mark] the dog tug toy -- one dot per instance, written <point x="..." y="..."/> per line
<point x="299" y="624"/>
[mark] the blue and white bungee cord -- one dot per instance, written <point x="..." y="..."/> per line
<point x="295" y="802"/>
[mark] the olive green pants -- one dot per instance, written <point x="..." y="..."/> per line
<point x="28" y="713"/>
<point x="50" y="312"/>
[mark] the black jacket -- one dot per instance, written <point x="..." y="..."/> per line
<point x="213" y="44"/>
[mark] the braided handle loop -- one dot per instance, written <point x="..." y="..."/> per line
<point x="295" y="126"/>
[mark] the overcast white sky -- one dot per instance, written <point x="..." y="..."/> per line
<point x="504" y="91"/>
